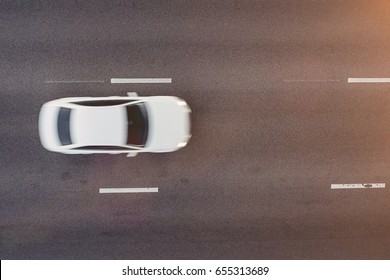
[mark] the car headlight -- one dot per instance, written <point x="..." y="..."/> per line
<point x="182" y="144"/>
<point x="182" y="103"/>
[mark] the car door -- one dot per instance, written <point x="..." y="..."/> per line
<point x="103" y="150"/>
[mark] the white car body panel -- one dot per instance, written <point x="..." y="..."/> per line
<point x="47" y="120"/>
<point x="168" y="125"/>
<point x="99" y="125"/>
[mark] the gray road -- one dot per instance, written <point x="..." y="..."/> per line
<point x="275" y="123"/>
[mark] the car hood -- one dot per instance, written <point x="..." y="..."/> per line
<point x="169" y="124"/>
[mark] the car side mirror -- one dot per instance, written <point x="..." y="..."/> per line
<point x="132" y="94"/>
<point x="131" y="154"/>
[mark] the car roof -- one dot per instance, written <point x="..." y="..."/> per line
<point x="99" y="125"/>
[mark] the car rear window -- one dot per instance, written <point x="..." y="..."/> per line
<point x="63" y="126"/>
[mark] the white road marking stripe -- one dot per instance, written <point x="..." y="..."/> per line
<point x="310" y="81"/>
<point x="368" y="80"/>
<point x="69" y="82"/>
<point x="141" y="81"/>
<point x="127" y="190"/>
<point x="358" y="186"/>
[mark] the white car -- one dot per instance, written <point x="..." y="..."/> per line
<point x="114" y="125"/>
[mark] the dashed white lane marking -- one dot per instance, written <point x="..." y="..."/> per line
<point x="127" y="190"/>
<point x="73" y="81"/>
<point x="358" y="186"/>
<point x="311" y="81"/>
<point x="368" y="80"/>
<point x="141" y="81"/>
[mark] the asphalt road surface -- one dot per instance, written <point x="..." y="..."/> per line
<point x="275" y="123"/>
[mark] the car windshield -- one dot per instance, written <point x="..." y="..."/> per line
<point x="63" y="126"/>
<point x="137" y="123"/>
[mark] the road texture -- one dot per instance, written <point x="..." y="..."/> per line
<point x="275" y="123"/>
